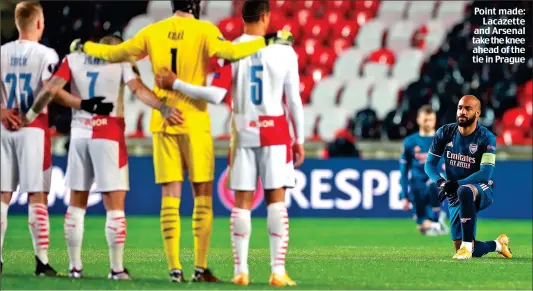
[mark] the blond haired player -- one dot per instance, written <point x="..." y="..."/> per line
<point x="184" y="44"/>
<point x="26" y="156"/>
<point x="261" y="141"/>
<point x="98" y="149"/>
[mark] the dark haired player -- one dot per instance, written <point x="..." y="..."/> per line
<point x="469" y="150"/>
<point x="417" y="188"/>
<point x="184" y="44"/>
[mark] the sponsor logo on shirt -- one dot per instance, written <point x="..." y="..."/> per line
<point x="460" y="160"/>
<point x="99" y="122"/>
<point x="262" y="123"/>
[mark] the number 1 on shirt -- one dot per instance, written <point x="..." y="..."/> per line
<point x="174" y="60"/>
<point x="256" y="84"/>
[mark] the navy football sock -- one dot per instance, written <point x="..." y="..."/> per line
<point x="482" y="248"/>
<point x="467" y="212"/>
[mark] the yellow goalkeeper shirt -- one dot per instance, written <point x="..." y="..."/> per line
<point x="185" y="46"/>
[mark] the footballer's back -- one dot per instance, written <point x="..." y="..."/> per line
<point x="24" y="65"/>
<point x="260" y="79"/>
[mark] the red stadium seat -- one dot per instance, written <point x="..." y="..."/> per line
<point x="517" y="118"/>
<point x="303" y="57"/>
<point x="511" y="137"/>
<point x="361" y="17"/>
<point x="276" y="19"/>
<point x="324" y="57"/>
<point x="236" y="7"/>
<point x="286" y="6"/>
<point x="303" y="16"/>
<point x="306" y="86"/>
<point x="333" y="17"/>
<point x="382" y="56"/>
<point x="309" y="44"/>
<point x="340" y="44"/>
<point x="367" y="5"/>
<point x="339" y="5"/>
<point x="291" y="25"/>
<point x="316" y="28"/>
<point x="528" y="106"/>
<point x="346" y="29"/>
<point x="526" y="93"/>
<point x="231" y="27"/>
<point x="314" y="6"/>
<point x="317" y="72"/>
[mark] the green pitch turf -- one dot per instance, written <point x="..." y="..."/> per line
<point x="323" y="254"/>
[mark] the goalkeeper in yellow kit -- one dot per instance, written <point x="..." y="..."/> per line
<point x="183" y="44"/>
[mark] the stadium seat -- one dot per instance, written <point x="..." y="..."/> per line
<point x="220" y="119"/>
<point x="315" y="7"/>
<point x="316" y="28"/>
<point x="400" y="35"/>
<point x="231" y="28"/>
<point x="348" y="64"/>
<point x="324" y="56"/>
<point x="277" y="18"/>
<point x="306" y="86"/>
<point x="451" y="12"/>
<point x="528" y="106"/>
<point x="384" y="97"/>
<point x="407" y="66"/>
<point x="370" y="6"/>
<point x="324" y="94"/>
<point x="361" y="17"/>
<point x="237" y="7"/>
<point x="303" y="15"/>
<point x="517" y="118"/>
<point x="433" y="42"/>
<point x="370" y="36"/>
<point x="317" y="72"/>
<point x="215" y="11"/>
<point x="391" y="12"/>
<point x="135" y="25"/>
<point x="338" y="5"/>
<point x="309" y="121"/>
<point x="355" y="95"/>
<point x="511" y="136"/>
<point x="346" y="29"/>
<point x="332" y="119"/>
<point x="377" y="71"/>
<point x="303" y="57"/>
<point x="310" y="44"/>
<point x="287" y="6"/>
<point x="339" y="45"/>
<point x="159" y="10"/>
<point x="333" y="17"/>
<point x="421" y="12"/>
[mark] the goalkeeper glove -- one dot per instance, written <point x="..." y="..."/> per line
<point x="283" y="36"/>
<point x="96" y="106"/>
<point x="76" y="45"/>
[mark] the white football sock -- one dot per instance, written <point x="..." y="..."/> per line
<point x="468" y="245"/>
<point x="278" y="229"/>
<point x="498" y="246"/>
<point x="3" y="223"/>
<point x="241" y="229"/>
<point x="39" y="225"/>
<point x="115" y="233"/>
<point x="74" y="226"/>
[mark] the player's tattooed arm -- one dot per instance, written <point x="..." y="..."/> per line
<point x="45" y="96"/>
<point x="148" y="97"/>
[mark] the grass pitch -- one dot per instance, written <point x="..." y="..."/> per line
<point x="323" y="254"/>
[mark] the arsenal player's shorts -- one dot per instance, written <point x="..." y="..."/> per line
<point x="26" y="158"/>
<point x="102" y="161"/>
<point x="273" y="164"/>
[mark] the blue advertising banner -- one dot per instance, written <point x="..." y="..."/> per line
<point x="324" y="188"/>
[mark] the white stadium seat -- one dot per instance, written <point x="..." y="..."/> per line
<point x="325" y="92"/>
<point x="310" y="116"/>
<point x="332" y="119"/>
<point x="135" y="25"/>
<point x="220" y="119"/>
<point x="348" y="64"/>
<point x="384" y="97"/>
<point x="451" y="12"/>
<point x="434" y="41"/>
<point x="421" y="11"/>
<point x="392" y="11"/>
<point x="400" y="36"/>
<point x="407" y="66"/>
<point x="159" y="10"/>
<point x="356" y="94"/>
<point x="370" y="36"/>
<point x="376" y="71"/>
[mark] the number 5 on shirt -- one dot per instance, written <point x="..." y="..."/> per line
<point x="256" y="84"/>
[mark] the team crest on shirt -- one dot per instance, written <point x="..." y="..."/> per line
<point x="472" y="148"/>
